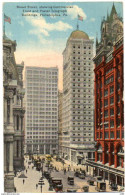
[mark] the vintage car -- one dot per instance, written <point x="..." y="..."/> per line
<point x="91" y="182"/>
<point x="57" y="184"/>
<point x="77" y="173"/>
<point x="70" y="180"/>
<point x="59" y="188"/>
<point x="86" y="188"/>
<point x="81" y="175"/>
<point x="72" y="190"/>
<point x="99" y="178"/>
<point x="101" y="186"/>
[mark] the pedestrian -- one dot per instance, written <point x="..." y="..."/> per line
<point x="26" y="170"/>
<point x="36" y="186"/>
<point x="23" y="181"/>
<point x="28" y="166"/>
<point x="14" y="189"/>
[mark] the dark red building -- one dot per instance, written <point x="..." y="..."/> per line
<point x="109" y="103"/>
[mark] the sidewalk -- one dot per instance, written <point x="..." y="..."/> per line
<point x="32" y="179"/>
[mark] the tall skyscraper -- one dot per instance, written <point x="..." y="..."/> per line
<point x="41" y="110"/>
<point x="109" y="103"/>
<point x="78" y="103"/>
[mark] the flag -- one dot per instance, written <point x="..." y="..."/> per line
<point x="80" y="18"/>
<point x="7" y="19"/>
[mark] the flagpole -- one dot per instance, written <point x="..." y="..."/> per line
<point x="77" y="23"/>
<point x="4" y="26"/>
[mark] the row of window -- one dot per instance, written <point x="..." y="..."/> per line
<point x="111" y="133"/>
<point x="84" y="47"/>
<point x="78" y="63"/>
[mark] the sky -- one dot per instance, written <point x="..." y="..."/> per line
<point x="41" y="39"/>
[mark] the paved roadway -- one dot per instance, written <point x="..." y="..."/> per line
<point x="33" y="177"/>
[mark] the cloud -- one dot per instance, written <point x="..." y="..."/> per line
<point x="73" y="12"/>
<point x="42" y="27"/>
<point x="92" y="19"/>
<point x="21" y="23"/>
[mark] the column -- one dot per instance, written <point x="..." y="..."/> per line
<point x="5" y="110"/>
<point x="98" y="171"/>
<point x="103" y="157"/>
<point x="44" y="146"/>
<point x="115" y="98"/>
<point x="116" y="179"/>
<point x="103" y="106"/>
<point x="115" y="158"/>
<point x="122" y="181"/>
<point x="50" y="149"/>
<point x="19" y="122"/>
<point x="96" y="156"/>
<point x="5" y="163"/>
<point x="11" y="110"/>
<point x="104" y="175"/>
<point x="11" y="157"/>
<point x="109" y="177"/>
<point x="19" y="148"/>
<point x="32" y="147"/>
<point x="22" y="124"/>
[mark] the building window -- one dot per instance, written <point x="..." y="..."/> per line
<point x="111" y="89"/>
<point x="106" y="135"/>
<point x="106" y="102"/>
<point x="118" y="122"/>
<point x="100" y="135"/>
<point x="109" y="80"/>
<point x="111" y="111"/>
<point x="112" y="134"/>
<point x="112" y="100"/>
<point x="111" y="123"/>
<point x="106" y="113"/>
<point x="106" y="125"/>
<point x="118" y="134"/>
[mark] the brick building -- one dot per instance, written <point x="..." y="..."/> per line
<point x="109" y="103"/>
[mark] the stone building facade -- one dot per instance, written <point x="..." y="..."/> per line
<point x="13" y="93"/>
<point x="60" y="102"/>
<point x="41" y="122"/>
<point x="78" y="104"/>
<point x="109" y="102"/>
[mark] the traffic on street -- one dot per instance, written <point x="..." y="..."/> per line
<point x="47" y="174"/>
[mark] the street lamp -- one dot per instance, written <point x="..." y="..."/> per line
<point x="41" y="182"/>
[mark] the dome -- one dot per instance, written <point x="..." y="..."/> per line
<point x="78" y="35"/>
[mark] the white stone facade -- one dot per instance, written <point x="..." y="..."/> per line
<point x="41" y="134"/>
<point x="78" y="101"/>
<point x="13" y="93"/>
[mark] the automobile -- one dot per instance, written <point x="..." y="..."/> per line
<point x="57" y="184"/>
<point x="81" y="175"/>
<point x="76" y="173"/>
<point x="72" y="190"/>
<point x="99" y="178"/>
<point x="101" y="186"/>
<point x="91" y="182"/>
<point x="114" y="187"/>
<point x="59" y="188"/>
<point x="86" y="188"/>
<point x="70" y="180"/>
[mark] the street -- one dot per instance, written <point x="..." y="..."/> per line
<point x="30" y="184"/>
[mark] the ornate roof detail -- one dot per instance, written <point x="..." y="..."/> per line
<point x="78" y="35"/>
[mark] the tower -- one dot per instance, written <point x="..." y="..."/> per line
<point x="78" y="121"/>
